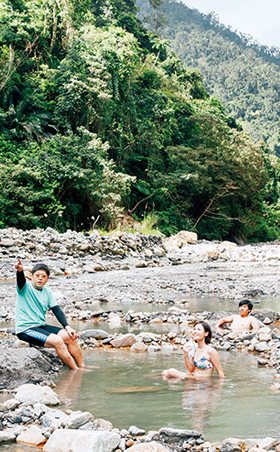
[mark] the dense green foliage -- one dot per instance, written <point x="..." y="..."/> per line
<point x="98" y="117"/>
<point x="244" y="75"/>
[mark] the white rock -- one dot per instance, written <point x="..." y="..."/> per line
<point x="78" y="418"/>
<point x="32" y="436"/>
<point x="261" y="347"/>
<point x="264" y="337"/>
<point x="180" y="240"/>
<point x="153" y="446"/>
<point x="266" y="443"/>
<point x="138" y="347"/>
<point x="135" y="431"/>
<point x="82" y="440"/>
<point x="35" y="393"/>
<point x="103" y="424"/>
<point x="125" y="340"/>
<point x="264" y="330"/>
<point x="114" y="320"/>
<point x="11" y="404"/>
<point x="267" y="321"/>
<point x="7" y="436"/>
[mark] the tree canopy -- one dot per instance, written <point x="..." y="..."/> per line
<point x="98" y="117"/>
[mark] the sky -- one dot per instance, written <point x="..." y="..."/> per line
<point x="258" y="18"/>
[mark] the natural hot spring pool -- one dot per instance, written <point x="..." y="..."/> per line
<point x="127" y="389"/>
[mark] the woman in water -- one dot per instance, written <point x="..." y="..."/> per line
<point x="200" y="358"/>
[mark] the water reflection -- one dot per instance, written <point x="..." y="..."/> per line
<point x="127" y="389"/>
<point x="68" y="386"/>
<point x="199" y="399"/>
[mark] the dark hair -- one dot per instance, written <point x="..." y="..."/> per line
<point x="248" y="303"/>
<point x="207" y="329"/>
<point x="40" y="266"/>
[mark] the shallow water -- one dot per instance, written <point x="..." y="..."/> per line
<point x="127" y="389"/>
<point x="193" y="304"/>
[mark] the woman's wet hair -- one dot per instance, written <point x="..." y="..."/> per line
<point x="40" y="266"/>
<point x="248" y="303"/>
<point x="207" y="329"/>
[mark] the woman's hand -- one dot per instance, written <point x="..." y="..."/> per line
<point x="189" y="348"/>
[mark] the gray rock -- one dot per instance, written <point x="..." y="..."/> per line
<point x="27" y="364"/>
<point x="54" y="419"/>
<point x="94" y="333"/>
<point x="173" y="435"/>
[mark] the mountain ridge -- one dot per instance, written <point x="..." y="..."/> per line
<point x="239" y="72"/>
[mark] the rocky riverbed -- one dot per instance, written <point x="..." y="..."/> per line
<point x="89" y="270"/>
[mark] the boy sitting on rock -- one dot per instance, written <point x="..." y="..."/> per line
<point x="33" y="302"/>
<point x="242" y="322"/>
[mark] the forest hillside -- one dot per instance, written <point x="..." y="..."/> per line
<point x="99" y="119"/>
<point x="241" y="73"/>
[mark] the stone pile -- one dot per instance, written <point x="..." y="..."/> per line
<point x="31" y="419"/>
<point x="265" y="342"/>
<point x="87" y="252"/>
<point x="65" y="252"/>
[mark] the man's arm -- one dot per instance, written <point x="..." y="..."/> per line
<point x="225" y="320"/>
<point x="61" y="317"/>
<point x="21" y="281"/>
<point x="255" y="324"/>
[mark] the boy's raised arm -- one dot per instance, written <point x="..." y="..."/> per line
<point x="20" y="274"/>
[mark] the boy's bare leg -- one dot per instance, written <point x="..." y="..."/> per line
<point x="56" y="342"/>
<point x="73" y="348"/>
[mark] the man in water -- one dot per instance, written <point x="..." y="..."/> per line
<point x="242" y="322"/>
<point x="33" y="302"/>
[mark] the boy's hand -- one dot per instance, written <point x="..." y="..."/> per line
<point x="19" y="266"/>
<point x="71" y="332"/>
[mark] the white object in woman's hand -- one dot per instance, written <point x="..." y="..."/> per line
<point x="189" y="348"/>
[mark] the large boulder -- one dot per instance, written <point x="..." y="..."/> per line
<point x="126" y="340"/>
<point x="36" y="394"/>
<point x="25" y="365"/>
<point x="82" y="440"/>
<point x="180" y="240"/>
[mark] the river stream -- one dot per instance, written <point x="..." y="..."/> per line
<point x="127" y="389"/>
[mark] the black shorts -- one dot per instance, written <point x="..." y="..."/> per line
<point x="38" y="334"/>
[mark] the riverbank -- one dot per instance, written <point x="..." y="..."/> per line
<point x="90" y="272"/>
